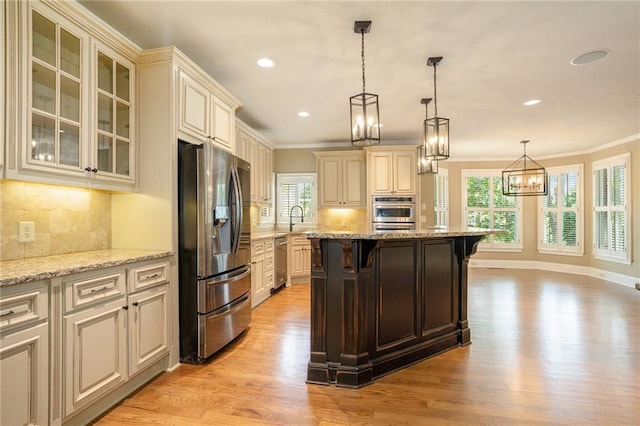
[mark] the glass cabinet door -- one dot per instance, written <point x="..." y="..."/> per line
<point x="55" y="94"/>
<point x="114" y="115"/>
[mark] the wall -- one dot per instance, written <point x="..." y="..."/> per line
<point x="530" y="211"/>
<point x="66" y="219"/>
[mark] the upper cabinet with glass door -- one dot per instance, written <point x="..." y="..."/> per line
<point x="57" y="81"/>
<point x="73" y="120"/>
<point x="113" y="153"/>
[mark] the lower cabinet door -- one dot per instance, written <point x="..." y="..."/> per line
<point x="24" y="371"/>
<point x="148" y="337"/>
<point x="94" y="353"/>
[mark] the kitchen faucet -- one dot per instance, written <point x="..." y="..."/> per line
<point x="291" y="216"/>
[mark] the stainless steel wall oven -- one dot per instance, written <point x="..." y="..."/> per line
<point x="393" y="213"/>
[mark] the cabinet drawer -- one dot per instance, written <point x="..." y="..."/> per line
<point x="269" y="280"/>
<point x="147" y="275"/>
<point x="86" y="289"/>
<point x="268" y="246"/>
<point x="257" y="249"/>
<point x="299" y="240"/>
<point x="268" y="262"/>
<point x="23" y="305"/>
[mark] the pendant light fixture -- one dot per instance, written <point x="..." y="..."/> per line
<point x="524" y="177"/>
<point x="365" y="114"/>
<point x="426" y="164"/>
<point x="437" y="128"/>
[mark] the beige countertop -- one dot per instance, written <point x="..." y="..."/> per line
<point x="402" y="235"/>
<point x="40" y="268"/>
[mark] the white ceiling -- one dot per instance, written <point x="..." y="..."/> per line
<point x="496" y="56"/>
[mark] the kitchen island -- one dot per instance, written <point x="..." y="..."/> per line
<point x="383" y="301"/>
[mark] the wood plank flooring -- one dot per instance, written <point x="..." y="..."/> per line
<point x="548" y="348"/>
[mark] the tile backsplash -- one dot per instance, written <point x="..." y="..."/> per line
<point x="66" y="220"/>
<point x="353" y="220"/>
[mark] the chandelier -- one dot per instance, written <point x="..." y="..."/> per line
<point x="365" y="114"/>
<point x="524" y="177"/>
<point x="426" y="164"/>
<point x="437" y="128"/>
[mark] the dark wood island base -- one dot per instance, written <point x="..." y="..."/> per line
<point x="381" y="302"/>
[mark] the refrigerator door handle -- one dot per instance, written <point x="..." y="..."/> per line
<point x="237" y="195"/>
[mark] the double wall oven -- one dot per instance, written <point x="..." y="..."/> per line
<point x="393" y="213"/>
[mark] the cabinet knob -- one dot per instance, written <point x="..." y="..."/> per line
<point x="125" y="307"/>
<point x="94" y="170"/>
<point x="135" y="303"/>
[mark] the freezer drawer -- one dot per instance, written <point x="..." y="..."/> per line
<point x="220" y="327"/>
<point x="217" y="292"/>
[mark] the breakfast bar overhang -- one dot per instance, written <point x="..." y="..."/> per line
<point x="383" y="301"/>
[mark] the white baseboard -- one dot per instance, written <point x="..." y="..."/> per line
<point x="621" y="279"/>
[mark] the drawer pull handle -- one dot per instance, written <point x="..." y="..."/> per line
<point x="6" y="314"/>
<point x="103" y="288"/>
<point x="148" y="277"/>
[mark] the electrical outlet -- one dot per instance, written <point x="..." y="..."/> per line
<point x="26" y="232"/>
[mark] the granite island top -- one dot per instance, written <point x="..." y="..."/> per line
<point x="21" y="271"/>
<point x="402" y="235"/>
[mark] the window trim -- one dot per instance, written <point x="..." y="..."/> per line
<point x="566" y="251"/>
<point x="608" y="163"/>
<point x="314" y="197"/>
<point x="484" y="246"/>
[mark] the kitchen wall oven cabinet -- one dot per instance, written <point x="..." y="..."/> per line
<point x="74" y="82"/>
<point x="392" y="172"/>
<point x="341" y="177"/>
<point x="24" y="354"/>
<point x="203" y="115"/>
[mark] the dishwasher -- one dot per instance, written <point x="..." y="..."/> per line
<point x="280" y="255"/>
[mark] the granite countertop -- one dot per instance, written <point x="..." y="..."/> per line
<point x="402" y="235"/>
<point x="21" y="271"/>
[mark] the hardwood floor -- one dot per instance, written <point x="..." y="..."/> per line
<point x="548" y="348"/>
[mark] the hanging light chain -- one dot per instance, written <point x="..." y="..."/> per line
<point x="362" y="53"/>
<point x="435" y="89"/>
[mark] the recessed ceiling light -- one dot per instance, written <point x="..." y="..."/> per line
<point x="590" y="57"/>
<point x="265" y="63"/>
<point x="532" y="102"/>
<point x="303" y="114"/>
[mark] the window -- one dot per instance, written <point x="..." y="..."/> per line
<point x="484" y="206"/>
<point x="296" y="189"/>
<point x="611" y="201"/>
<point x="441" y="199"/>
<point x="561" y="217"/>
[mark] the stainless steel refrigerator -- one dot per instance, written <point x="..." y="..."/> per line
<point x="214" y="249"/>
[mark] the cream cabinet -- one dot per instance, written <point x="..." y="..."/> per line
<point x="261" y="270"/>
<point x="392" y="172"/>
<point x="94" y="352"/>
<point x="75" y="117"/>
<point x="299" y="259"/>
<point x="24" y="354"/>
<point x="114" y="325"/>
<point x="94" y="338"/>
<point x="255" y="149"/>
<point x="341" y="177"/>
<point x="258" y="286"/>
<point x="203" y="115"/>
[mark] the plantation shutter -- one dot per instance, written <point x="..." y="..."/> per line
<point x="610" y="208"/>
<point x="441" y="199"/>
